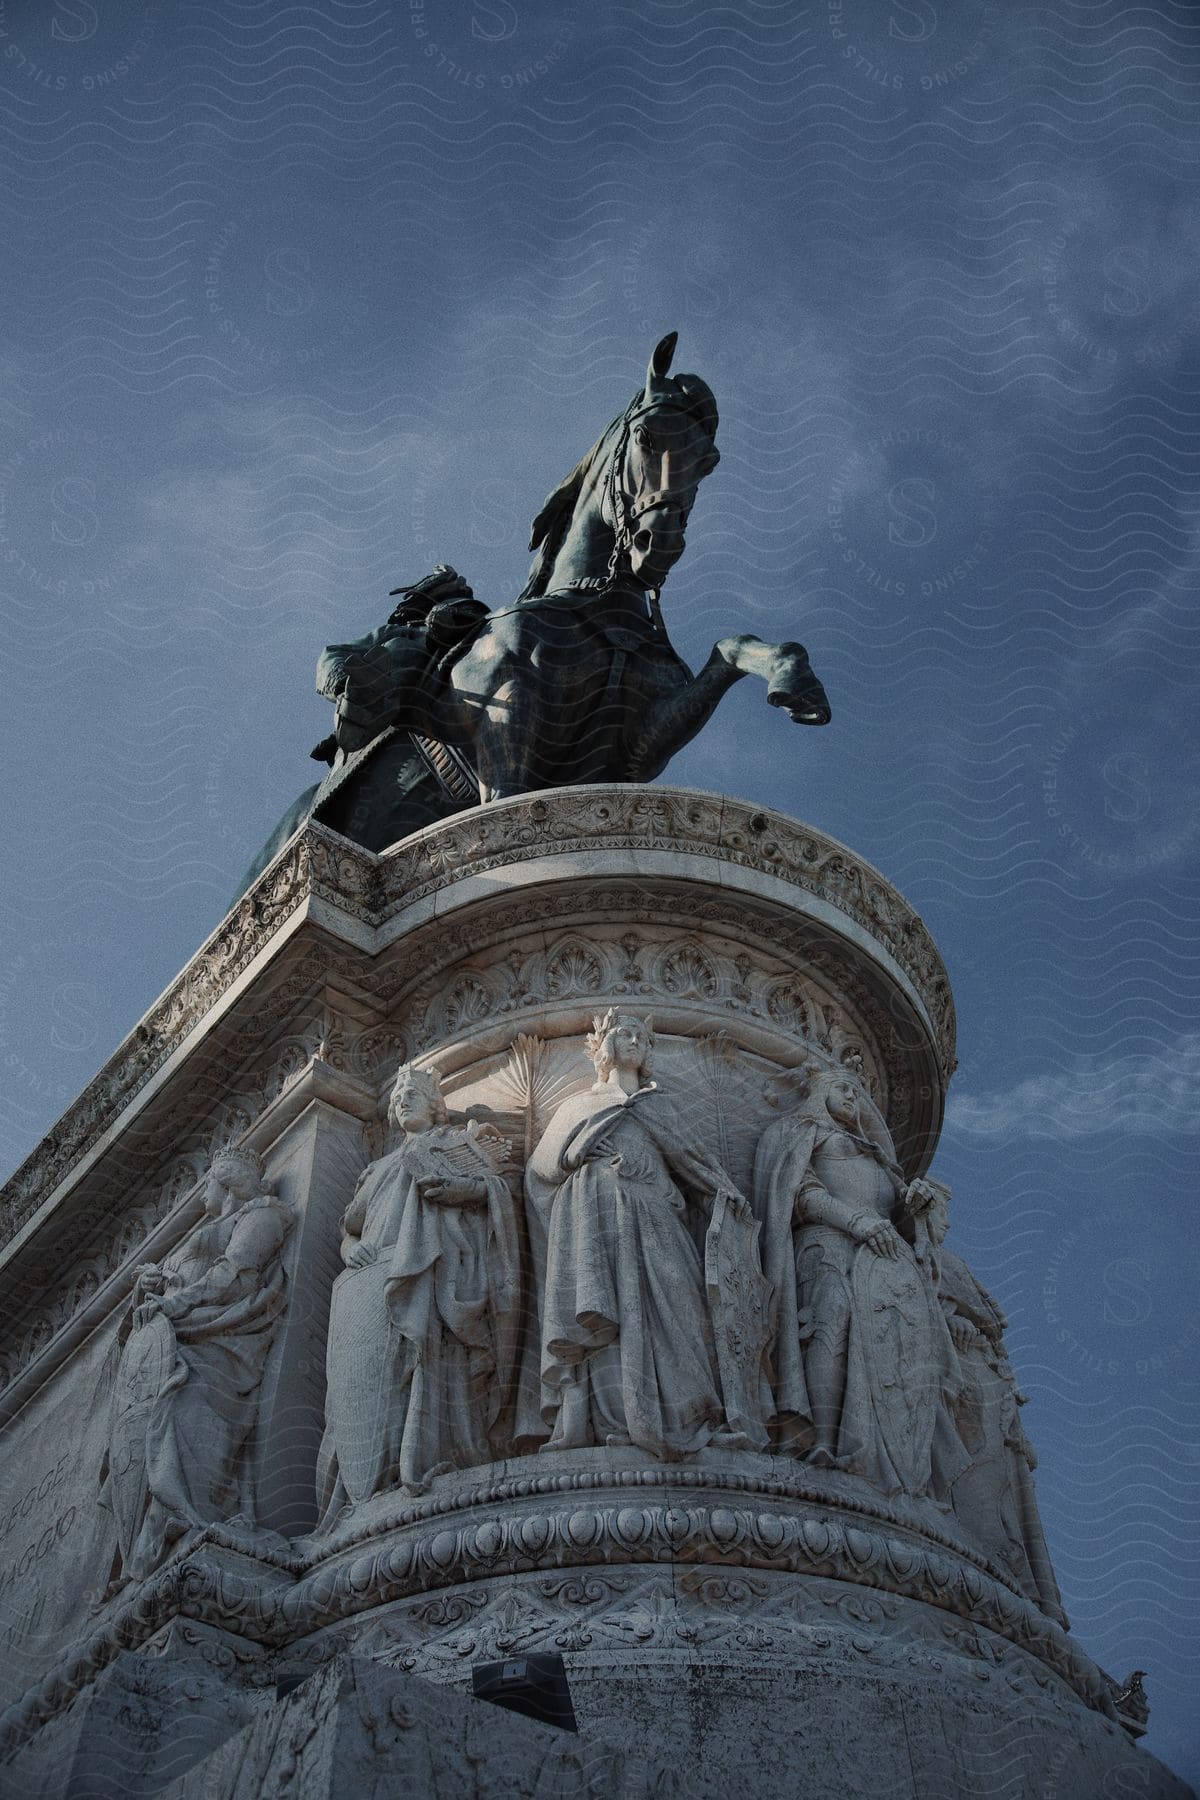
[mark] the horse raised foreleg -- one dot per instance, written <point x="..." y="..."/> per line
<point x="674" y="720"/>
<point x="787" y="672"/>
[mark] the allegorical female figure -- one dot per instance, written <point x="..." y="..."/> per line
<point x="423" y="1318"/>
<point x="861" y="1353"/>
<point x="993" y="1495"/>
<point x="627" y="1347"/>
<point x="198" y="1334"/>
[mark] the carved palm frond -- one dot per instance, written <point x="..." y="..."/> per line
<point x="717" y="1059"/>
<point x="535" y="1084"/>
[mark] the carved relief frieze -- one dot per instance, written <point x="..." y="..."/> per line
<point x="464" y="979"/>
<point x="771" y="1017"/>
<point x="710" y="1560"/>
<point x="660" y="819"/>
<point x="598" y="1530"/>
<point x="700" y="971"/>
<point x="732" y="1614"/>
<point x="319" y="865"/>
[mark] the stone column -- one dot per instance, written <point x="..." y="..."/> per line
<point x="313" y="1161"/>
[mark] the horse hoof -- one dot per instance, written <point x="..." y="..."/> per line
<point x="796" y="688"/>
<point x="803" y="709"/>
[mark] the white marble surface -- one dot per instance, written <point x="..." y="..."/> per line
<point x="708" y="1567"/>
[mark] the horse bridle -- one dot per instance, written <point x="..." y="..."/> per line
<point x="623" y="508"/>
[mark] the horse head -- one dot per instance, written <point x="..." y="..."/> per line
<point x="663" y="453"/>
<point x="635" y="487"/>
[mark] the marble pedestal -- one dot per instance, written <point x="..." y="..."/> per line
<point x="735" y="1612"/>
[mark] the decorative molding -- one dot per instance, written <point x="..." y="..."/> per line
<point x="569" y="1521"/>
<point x="706" y="981"/>
<point x="679" y="822"/>
<point x="793" y="1012"/>
<point x="732" y="1615"/>
<point x="573" y="1534"/>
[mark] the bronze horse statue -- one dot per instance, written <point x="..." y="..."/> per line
<point x="576" y="681"/>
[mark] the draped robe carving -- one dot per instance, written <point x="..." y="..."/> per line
<point x="861" y="1353"/>
<point x="423" y="1319"/>
<point x="199" y="1331"/>
<point x="627" y="1345"/>
<point x="993" y="1496"/>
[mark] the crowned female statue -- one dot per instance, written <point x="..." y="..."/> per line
<point x="627" y="1345"/>
<point x="862" y="1356"/>
<point x="423" y="1316"/>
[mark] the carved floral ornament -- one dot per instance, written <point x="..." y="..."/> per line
<point x="746" y="1613"/>
<point x="702" y="979"/>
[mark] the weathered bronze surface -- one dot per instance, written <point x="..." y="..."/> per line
<point x="576" y="681"/>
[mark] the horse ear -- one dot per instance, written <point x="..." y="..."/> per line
<point x="660" y="358"/>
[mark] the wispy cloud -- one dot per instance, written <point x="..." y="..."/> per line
<point x="1115" y="1094"/>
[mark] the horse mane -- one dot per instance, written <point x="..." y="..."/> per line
<point x="548" y="532"/>
<point x="549" y="529"/>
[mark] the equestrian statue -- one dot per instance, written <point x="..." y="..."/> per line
<point x="451" y="704"/>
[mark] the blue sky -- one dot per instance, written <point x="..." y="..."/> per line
<point x="303" y="298"/>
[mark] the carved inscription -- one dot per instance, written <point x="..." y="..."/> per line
<point x="27" y="1537"/>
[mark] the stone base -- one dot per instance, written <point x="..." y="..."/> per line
<point x="698" y="1681"/>
<point x="360" y="1729"/>
<point x="825" y="1689"/>
<point x="167" y="1726"/>
<point x="759" y="1624"/>
<point x="132" y="1732"/>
